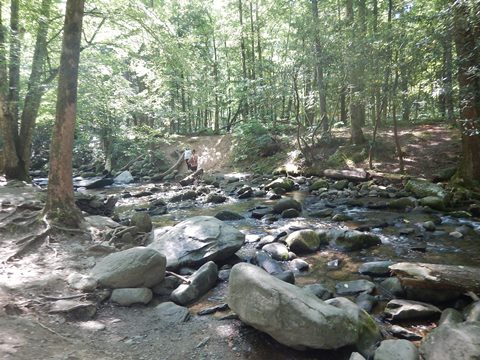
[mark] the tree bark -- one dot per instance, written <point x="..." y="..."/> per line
<point x="466" y="33"/>
<point x="60" y="206"/>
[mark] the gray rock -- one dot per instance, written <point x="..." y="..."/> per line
<point x="290" y="213"/>
<point x="215" y="198"/>
<point x="402" y="333"/>
<point x="123" y="178"/>
<point x="406" y="310"/>
<point x="433" y="202"/>
<point x="356" y="356"/>
<point x="375" y="268"/>
<point x="321" y="213"/>
<point x="318" y="184"/>
<point x="200" y="282"/>
<point x="278" y="251"/>
<point x="472" y="312"/>
<point x="135" y="267"/>
<point x="319" y="291"/>
<point x="298" y="265"/>
<point x="351" y="240"/>
<point x="304" y="241"/>
<point x="402" y="203"/>
<point x="354" y="287"/>
<point x="171" y="313"/>
<point x="142" y="221"/>
<point x="452" y="341"/>
<point x="74" y="308"/>
<point x="285" y="204"/>
<point x="396" y="350"/>
<point x="186" y="195"/>
<point x="287" y="276"/>
<point x="429" y="225"/>
<point x="265" y="261"/>
<point x="166" y="287"/>
<point x="340" y="184"/>
<point x="197" y="240"/>
<point x="391" y="287"/>
<point x="260" y="213"/>
<point x="101" y="222"/>
<point x="366" y="302"/>
<point x="228" y="215"/>
<point x="292" y="316"/>
<point x="81" y="282"/>
<point x="422" y="189"/>
<point x="450" y="316"/>
<point x="281" y="183"/>
<point x="130" y="296"/>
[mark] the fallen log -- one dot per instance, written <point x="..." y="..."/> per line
<point x="438" y="277"/>
<point x="353" y="174"/>
<point x="190" y="179"/>
<point x="126" y="167"/>
<point x="179" y="163"/>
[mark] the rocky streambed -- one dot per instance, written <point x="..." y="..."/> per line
<point x="363" y="269"/>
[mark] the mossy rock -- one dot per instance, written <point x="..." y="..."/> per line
<point x="402" y="203"/>
<point x="423" y="189"/>
<point x="433" y="202"/>
<point x="319" y="184"/>
<point x="283" y="183"/>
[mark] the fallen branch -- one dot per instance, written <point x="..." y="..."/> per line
<point x="68" y="297"/>
<point x="184" y="279"/>
<point x="169" y="171"/>
<point x="50" y="330"/>
<point x="131" y="162"/>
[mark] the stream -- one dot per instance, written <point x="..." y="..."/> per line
<point x="403" y="236"/>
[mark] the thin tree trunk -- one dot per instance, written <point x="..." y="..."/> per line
<point x="244" y="61"/>
<point x="395" y="127"/>
<point x="60" y="206"/>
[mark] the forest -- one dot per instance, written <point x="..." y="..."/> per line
<point x="335" y="211"/>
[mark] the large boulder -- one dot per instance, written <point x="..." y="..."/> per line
<point x="130" y="296"/>
<point x="291" y="315"/>
<point x="135" y="267"/>
<point x="453" y="341"/>
<point x="286" y="204"/>
<point x="125" y="177"/>
<point x="197" y="240"/>
<point x="281" y="183"/>
<point x="350" y="240"/>
<point x="422" y="189"/>
<point x="142" y="221"/>
<point x="396" y="349"/>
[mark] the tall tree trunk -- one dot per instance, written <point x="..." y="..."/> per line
<point x="243" y="51"/>
<point x="448" y="77"/>
<point x="14" y="65"/>
<point x="319" y="68"/>
<point x="467" y="41"/>
<point x="35" y="89"/>
<point x="60" y="206"/>
<point x="395" y="126"/>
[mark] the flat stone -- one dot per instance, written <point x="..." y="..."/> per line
<point x="407" y="310"/>
<point x="354" y="287"/>
<point x="130" y="296"/>
<point x="171" y="313"/>
<point x="396" y="350"/>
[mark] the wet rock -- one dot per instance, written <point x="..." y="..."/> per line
<point x="354" y="287"/>
<point x="95" y="204"/>
<point x="292" y="316"/>
<point x="341" y="217"/>
<point x="402" y="333"/>
<point x="130" y="296"/>
<point x="429" y="225"/>
<point x="101" y="222"/>
<point x="197" y="240"/>
<point x="319" y="291"/>
<point x="376" y="268"/>
<point x="265" y="261"/>
<point x="171" y="313"/>
<point x="226" y="215"/>
<point x="304" y="241"/>
<point x="318" y="184"/>
<point x="391" y="287"/>
<point x="433" y="202"/>
<point x="200" y="282"/>
<point x="287" y="276"/>
<point x="213" y="309"/>
<point x="450" y="316"/>
<point x="260" y="213"/>
<point x="134" y="267"/>
<point x="402" y="203"/>
<point x="299" y="265"/>
<point x="186" y="195"/>
<point x="273" y="196"/>
<point x="216" y="198"/>
<point x="422" y="189"/>
<point x="285" y="204"/>
<point x="366" y="302"/>
<point x="267" y="239"/>
<point x="142" y="221"/>
<point x="290" y="213"/>
<point x="81" y="282"/>
<point x="277" y="251"/>
<point x="251" y="238"/>
<point x="452" y="341"/>
<point x="456" y="234"/>
<point x="406" y="310"/>
<point x="166" y="287"/>
<point x="340" y="184"/>
<point x="281" y="183"/>
<point x="245" y="192"/>
<point x="321" y="213"/>
<point x="350" y="240"/>
<point x="224" y="274"/>
<point x="396" y="349"/>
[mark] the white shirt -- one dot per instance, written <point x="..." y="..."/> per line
<point x="187" y="154"/>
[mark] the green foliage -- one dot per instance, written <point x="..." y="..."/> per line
<point x="250" y="140"/>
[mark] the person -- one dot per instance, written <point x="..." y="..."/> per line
<point x="187" y="155"/>
<point x="193" y="162"/>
